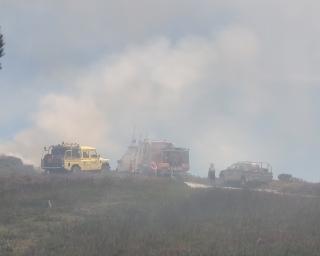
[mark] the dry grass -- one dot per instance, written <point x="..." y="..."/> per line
<point x="107" y="215"/>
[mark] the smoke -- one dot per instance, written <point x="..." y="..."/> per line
<point x="154" y="86"/>
<point x="231" y="81"/>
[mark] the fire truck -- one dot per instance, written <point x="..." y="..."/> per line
<point x="155" y="158"/>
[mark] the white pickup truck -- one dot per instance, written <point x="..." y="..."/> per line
<point x="247" y="172"/>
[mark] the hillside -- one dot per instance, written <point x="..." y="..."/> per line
<point x="109" y="215"/>
<point x="11" y="165"/>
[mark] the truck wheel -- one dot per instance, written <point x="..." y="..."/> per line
<point x="105" y="167"/>
<point x="75" y="169"/>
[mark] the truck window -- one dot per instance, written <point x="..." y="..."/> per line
<point x="85" y="154"/>
<point x="68" y="154"/>
<point x="75" y="153"/>
<point x="93" y="154"/>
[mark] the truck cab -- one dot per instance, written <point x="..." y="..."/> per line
<point x="73" y="158"/>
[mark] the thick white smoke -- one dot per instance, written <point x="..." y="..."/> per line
<point x="231" y="80"/>
<point x="153" y="86"/>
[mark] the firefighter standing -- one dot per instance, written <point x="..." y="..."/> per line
<point x="212" y="174"/>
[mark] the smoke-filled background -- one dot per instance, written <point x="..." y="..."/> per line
<point x="231" y="80"/>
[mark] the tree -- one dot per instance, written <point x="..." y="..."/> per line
<point x="1" y="47"/>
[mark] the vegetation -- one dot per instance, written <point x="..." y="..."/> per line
<point x="109" y="215"/>
<point x="285" y="177"/>
<point x="295" y="186"/>
<point x="11" y="165"/>
<point x="1" y="47"/>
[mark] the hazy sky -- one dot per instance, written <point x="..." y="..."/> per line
<point x="231" y="80"/>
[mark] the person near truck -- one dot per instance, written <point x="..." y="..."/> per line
<point x="212" y="174"/>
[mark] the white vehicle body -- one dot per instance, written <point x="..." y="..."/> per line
<point x="247" y="172"/>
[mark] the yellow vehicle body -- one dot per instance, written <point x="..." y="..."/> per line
<point x="89" y="160"/>
<point x="73" y="158"/>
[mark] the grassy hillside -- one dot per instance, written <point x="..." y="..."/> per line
<point x="107" y="215"/>
<point x="11" y="165"/>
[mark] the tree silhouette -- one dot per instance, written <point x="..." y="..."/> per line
<point x="1" y="47"/>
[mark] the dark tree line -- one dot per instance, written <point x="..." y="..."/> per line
<point x="1" y="47"/>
